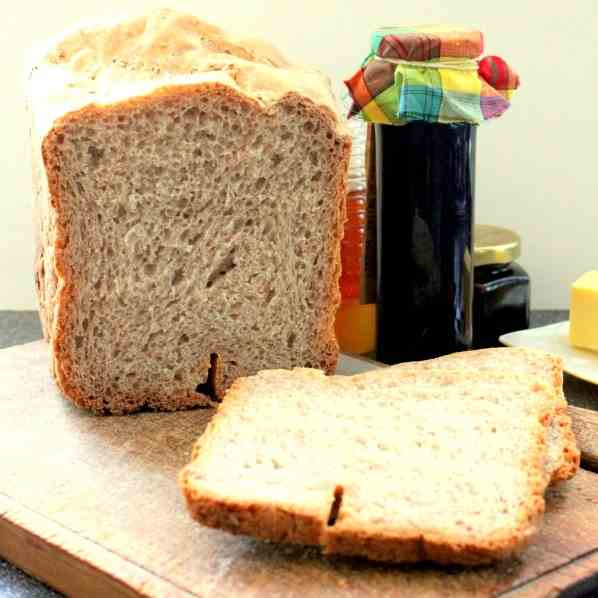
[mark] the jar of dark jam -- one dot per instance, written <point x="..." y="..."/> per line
<point x="501" y="299"/>
<point x="425" y="200"/>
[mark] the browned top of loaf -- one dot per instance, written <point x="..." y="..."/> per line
<point x="110" y="62"/>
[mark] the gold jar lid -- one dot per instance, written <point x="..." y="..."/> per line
<point x="495" y="245"/>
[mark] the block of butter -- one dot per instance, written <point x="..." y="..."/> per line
<point x="584" y="312"/>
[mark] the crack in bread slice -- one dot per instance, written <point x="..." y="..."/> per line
<point x="403" y="472"/>
<point x="516" y="363"/>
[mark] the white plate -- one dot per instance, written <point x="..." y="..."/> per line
<point x="352" y="364"/>
<point x="555" y="339"/>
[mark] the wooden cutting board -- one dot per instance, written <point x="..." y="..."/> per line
<point x="90" y="505"/>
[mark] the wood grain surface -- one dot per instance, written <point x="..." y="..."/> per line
<point x="585" y="426"/>
<point x="90" y="504"/>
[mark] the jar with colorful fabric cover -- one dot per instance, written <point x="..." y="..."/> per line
<point x="426" y="93"/>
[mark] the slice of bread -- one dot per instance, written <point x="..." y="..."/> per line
<point x="376" y="465"/>
<point x="516" y="363"/>
<point x="190" y="194"/>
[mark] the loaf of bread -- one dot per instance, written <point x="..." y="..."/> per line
<point x="189" y="193"/>
<point x="446" y="465"/>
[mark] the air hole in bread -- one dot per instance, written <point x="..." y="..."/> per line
<point x="222" y="269"/>
<point x="269" y="295"/>
<point x="208" y="388"/>
<point x="191" y="113"/>
<point x="335" y="507"/>
<point x="291" y="340"/>
<point x="268" y="227"/>
<point x="238" y="225"/>
<point x="95" y="155"/>
<point x="177" y="277"/>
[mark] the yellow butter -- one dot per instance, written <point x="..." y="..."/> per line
<point x="584" y="312"/>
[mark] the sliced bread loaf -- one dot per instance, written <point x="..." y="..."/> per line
<point x="516" y="364"/>
<point x="453" y="473"/>
<point x="190" y="201"/>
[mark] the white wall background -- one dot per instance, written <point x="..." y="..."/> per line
<point x="537" y="169"/>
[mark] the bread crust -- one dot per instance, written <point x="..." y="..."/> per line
<point x="571" y="453"/>
<point x="60" y="305"/>
<point x="261" y="520"/>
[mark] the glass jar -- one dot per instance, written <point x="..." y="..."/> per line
<point x="356" y="318"/>
<point x="501" y="302"/>
<point x="425" y="200"/>
<point x="353" y="243"/>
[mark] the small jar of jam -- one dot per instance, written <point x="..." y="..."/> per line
<point x="501" y="298"/>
